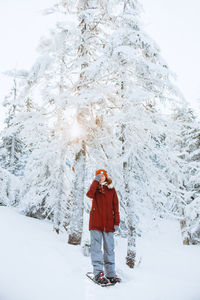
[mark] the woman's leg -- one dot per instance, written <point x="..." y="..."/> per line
<point x="109" y="254"/>
<point x="96" y="251"/>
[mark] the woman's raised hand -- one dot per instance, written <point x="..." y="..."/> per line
<point x="98" y="177"/>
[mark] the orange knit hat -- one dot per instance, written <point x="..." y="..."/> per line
<point x="101" y="171"/>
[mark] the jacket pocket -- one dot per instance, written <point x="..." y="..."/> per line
<point x="92" y="211"/>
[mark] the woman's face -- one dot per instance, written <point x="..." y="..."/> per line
<point x="103" y="178"/>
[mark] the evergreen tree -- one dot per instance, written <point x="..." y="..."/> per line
<point x="187" y="145"/>
<point x="139" y="83"/>
<point x="12" y="148"/>
<point x="9" y="188"/>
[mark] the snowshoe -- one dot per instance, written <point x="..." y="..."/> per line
<point x="114" y="279"/>
<point x="99" y="279"/>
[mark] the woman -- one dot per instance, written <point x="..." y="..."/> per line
<point x="104" y="221"/>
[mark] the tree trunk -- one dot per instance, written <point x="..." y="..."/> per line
<point x="131" y="245"/>
<point x="58" y="214"/>
<point x="184" y="232"/>
<point x="76" y="224"/>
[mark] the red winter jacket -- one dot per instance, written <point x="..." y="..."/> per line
<point x="104" y="213"/>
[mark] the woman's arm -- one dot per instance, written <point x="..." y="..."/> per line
<point x="116" y="208"/>
<point x="92" y="189"/>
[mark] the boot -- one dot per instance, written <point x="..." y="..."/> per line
<point x="114" y="279"/>
<point x="100" y="278"/>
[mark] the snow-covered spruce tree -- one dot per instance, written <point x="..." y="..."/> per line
<point x="139" y="80"/>
<point x="191" y="224"/>
<point x="187" y="141"/>
<point x="86" y="92"/>
<point x="77" y="208"/>
<point x="42" y="182"/>
<point x="9" y="188"/>
<point x="46" y="185"/>
<point x="89" y="15"/>
<point x="12" y="149"/>
<point x="13" y="152"/>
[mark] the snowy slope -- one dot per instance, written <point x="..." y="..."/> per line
<point x="37" y="264"/>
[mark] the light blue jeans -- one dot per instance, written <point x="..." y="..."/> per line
<point x="106" y="258"/>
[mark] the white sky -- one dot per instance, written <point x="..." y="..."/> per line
<point x="173" y="24"/>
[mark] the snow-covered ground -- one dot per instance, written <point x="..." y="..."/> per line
<point x="37" y="264"/>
